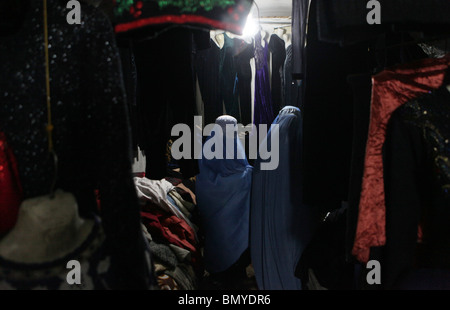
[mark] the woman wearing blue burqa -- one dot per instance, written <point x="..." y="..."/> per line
<point x="281" y="226"/>
<point x="223" y="189"/>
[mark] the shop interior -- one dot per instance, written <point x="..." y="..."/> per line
<point x="243" y="145"/>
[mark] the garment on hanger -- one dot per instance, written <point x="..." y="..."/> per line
<point x="328" y="116"/>
<point x="244" y="52"/>
<point x="263" y="109"/>
<point x="223" y="190"/>
<point x="361" y="86"/>
<point x="207" y="70"/>
<point x="228" y="78"/>
<point x="281" y="225"/>
<point x="391" y="88"/>
<point x="300" y="16"/>
<point x="166" y="96"/>
<point x="91" y="126"/>
<point x="416" y="167"/>
<point x="288" y="89"/>
<point x="278" y="49"/>
<point x="128" y="65"/>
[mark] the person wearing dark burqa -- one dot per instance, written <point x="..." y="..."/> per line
<point x="281" y="225"/>
<point x="223" y="189"/>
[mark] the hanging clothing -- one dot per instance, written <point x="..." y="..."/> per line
<point x="281" y="225"/>
<point x="361" y="85"/>
<point x="278" y="49"/>
<point x="129" y="71"/>
<point x="244" y="52"/>
<point x="416" y="166"/>
<point x="223" y="196"/>
<point x="228" y="78"/>
<point x="263" y="107"/>
<point x="300" y="17"/>
<point x="207" y="70"/>
<point x="287" y="86"/>
<point x="91" y="136"/>
<point x="165" y="96"/>
<point x="328" y="115"/>
<point x="391" y="88"/>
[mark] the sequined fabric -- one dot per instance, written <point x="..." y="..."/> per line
<point x="390" y="89"/>
<point x="431" y="115"/>
<point x="91" y="134"/>
<point x="417" y="181"/>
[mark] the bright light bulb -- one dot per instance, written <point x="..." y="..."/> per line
<point x="250" y="28"/>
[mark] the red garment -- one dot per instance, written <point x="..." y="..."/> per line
<point x="169" y="227"/>
<point x="10" y="187"/>
<point x="390" y="89"/>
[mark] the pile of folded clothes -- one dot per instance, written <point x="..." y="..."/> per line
<point x="170" y="224"/>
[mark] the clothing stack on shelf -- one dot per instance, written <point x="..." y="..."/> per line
<point x="170" y="226"/>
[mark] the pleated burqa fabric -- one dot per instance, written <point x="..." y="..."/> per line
<point x="223" y="190"/>
<point x="280" y="226"/>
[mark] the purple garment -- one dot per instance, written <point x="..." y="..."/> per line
<point x="263" y="111"/>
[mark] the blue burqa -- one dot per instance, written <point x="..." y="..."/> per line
<point x="281" y="226"/>
<point x="223" y="189"/>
